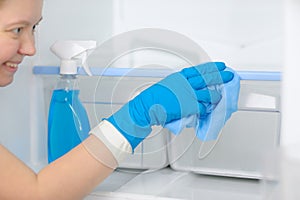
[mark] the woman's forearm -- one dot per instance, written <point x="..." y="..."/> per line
<point x="72" y="176"/>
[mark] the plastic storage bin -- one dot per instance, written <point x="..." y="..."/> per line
<point x="248" y="135"/>
<point x="110" y="94"/>
<point x="103" y="95"/>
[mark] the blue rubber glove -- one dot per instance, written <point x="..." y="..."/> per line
<point x="179" y="95"/>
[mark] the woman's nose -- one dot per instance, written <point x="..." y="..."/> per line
<point x="27" y="45"/>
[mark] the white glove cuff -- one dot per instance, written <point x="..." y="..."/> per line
<point x="113" y="139"/>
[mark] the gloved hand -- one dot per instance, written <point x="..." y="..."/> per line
<point x="179" y="95"/>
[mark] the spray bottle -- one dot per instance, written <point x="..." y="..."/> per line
<point x="68" y="122"/>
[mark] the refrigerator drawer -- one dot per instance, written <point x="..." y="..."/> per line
<point x="243" y="142"/>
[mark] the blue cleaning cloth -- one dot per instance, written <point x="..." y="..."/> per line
<point x="208" y="128"/>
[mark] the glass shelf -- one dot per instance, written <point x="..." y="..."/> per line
<point x="158" y="73"/>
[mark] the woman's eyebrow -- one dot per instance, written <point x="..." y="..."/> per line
<point x="39" y="20"/>
<point x="25" y="22"/>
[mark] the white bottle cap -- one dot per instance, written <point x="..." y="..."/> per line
<point x="69" y="51"/>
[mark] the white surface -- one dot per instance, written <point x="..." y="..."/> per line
<point x="124" y="196"/>
<point x="246" y="35"/>
<point x="291" y="88"/>
<point x="229" y="25"/>
<point x="166" y="183"/>
<point x="250" y="133"/>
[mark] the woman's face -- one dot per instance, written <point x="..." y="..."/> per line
<point x="18" y="19"/>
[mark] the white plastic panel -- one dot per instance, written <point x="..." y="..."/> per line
<point x="150" y="154"/>
<point x="169" y="184"/>
<point x="109" y="95"/>
<point x="240" y="151"/>
<point x="102" y="96"/>
<point x="247" y="137"/>
<point x="72" y="20"/>
<point x="247" y="35"/>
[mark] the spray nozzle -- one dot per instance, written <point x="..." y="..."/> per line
<point x="71" y="50"/>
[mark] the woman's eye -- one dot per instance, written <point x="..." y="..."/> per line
<point x="34" y="28"/>
<point x="17" y="30"/>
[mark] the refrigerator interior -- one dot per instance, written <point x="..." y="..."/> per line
<point x="246" y="35"/>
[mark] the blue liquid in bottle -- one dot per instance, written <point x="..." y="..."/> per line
<point x="68" y="123"/>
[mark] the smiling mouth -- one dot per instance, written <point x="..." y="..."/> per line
<point x="13" y="65"/>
